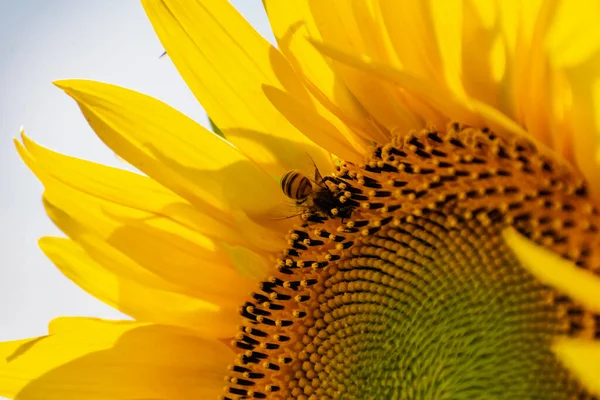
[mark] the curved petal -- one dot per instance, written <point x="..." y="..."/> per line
<point x="225" y="62"/>
<point x="412" y="28"/>
<point x="308" y="120"/>
<point x="444" y="105"/>
<point x="535" y="62"/>
<point x="143" y="303"/>
<point x="147" y="244"/>
<point x="123" y="187"/>
<point x="86" y="359"/>
<point x="172" y="149"/>
<point x="581" y="140"/>
<point x="103" y="227"/>
<point x="546" y="76"/>
<point x="155" y="244"/>
<point x="582" y="357"/>
<point x="484" y="73"/>
<point x="354" y="27"/>
<point x="581" y="285"/>
<point x="132" y="191"/>
<point x="292" y="24"/>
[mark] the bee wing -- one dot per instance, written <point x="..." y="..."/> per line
<point x="285" y="210"/>
<point x="314" y="175"/>
<point x="318" y="176"/>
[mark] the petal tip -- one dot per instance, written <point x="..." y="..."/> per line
<point x="18" y="145"/>
<point x="27" y="142"/>
<point x="581" y="357"/>
<point x="552" y="269"/>
<point x="61" y="83"/>
<point x="71" y="85"/>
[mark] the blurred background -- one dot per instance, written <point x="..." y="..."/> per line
<point x="42" y="41"/>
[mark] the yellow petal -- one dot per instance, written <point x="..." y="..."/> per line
<point x="292" y="22"/>
<point x="115" y="261"/>
<point x="248" y="264"/>
<point x="355" y="28"/>
<point x="484" y="71"/>
<point x="581" y="285"/>
<point x="123" y="187"/>
<point x="582" y="357"/>
<point x="225" y="62"/>
<point x="307" y="119"/>
<point x="172" y="149"/>
<point x="157" y="245"/>
<point x="443" y="101"/>
<point x="144" y="246"/>
<point x="137" y="192"/>
<point x="95" y="223"/>
<point x="550" y="86"/>
<point x="447" y="105"/>
<point x="581" y="144"/>
<point x="215" y="284"/>
<point x="85" y="359"/>
<point x="143" y="303"/>
<point x="412" y="26"/>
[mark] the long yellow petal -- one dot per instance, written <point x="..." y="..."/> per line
<point x="153" y="246"/>
<point x="292" y="23"/>
<point x="484" y="72"/>
<point x="582" y="141"/>
<point x="307" y="119"/>
<point x="125" y="188"/>
<point x="157" y="245"/>
<point x="581" y="285"/>
<point x="549" y="79"/>
<point x="141" y="302"/>
<point x="582" y="357"/>
<point x="353" y="27"/>
<point x="216" y="284"/>
<point x="173" y="149"/>
<point x="411" y="26"/>
<point x="86" y="359"/>
<point x="132" y="191"/>
<point x="117" y="262"/>
<point x="444" y="102"/>
<point x="226" y="62"/>
<point x="95" y="223"/>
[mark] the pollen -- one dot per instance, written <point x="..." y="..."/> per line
<point x="412" y="293"/>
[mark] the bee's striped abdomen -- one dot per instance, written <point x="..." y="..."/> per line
<point x="296" y="185"/>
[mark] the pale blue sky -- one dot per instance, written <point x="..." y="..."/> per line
<point x="42" y="41"/>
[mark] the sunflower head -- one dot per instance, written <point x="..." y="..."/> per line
<point x="444" y="245"/>
<point x="416" y="294"/>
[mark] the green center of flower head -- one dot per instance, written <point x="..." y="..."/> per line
<point x="414" y="295"/>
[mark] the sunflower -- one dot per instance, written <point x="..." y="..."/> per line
<point x="444" y="245"/>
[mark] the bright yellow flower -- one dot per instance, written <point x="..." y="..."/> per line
<point x="448" y="132"/>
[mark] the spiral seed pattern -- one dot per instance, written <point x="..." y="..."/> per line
<point x="416" y="295"/>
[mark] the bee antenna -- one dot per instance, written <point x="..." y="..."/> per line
<point x="288" y="217"/>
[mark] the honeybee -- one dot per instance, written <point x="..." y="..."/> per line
<point x="319" y="196"/>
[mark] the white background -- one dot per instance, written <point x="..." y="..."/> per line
<point x="42" y="41"/>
